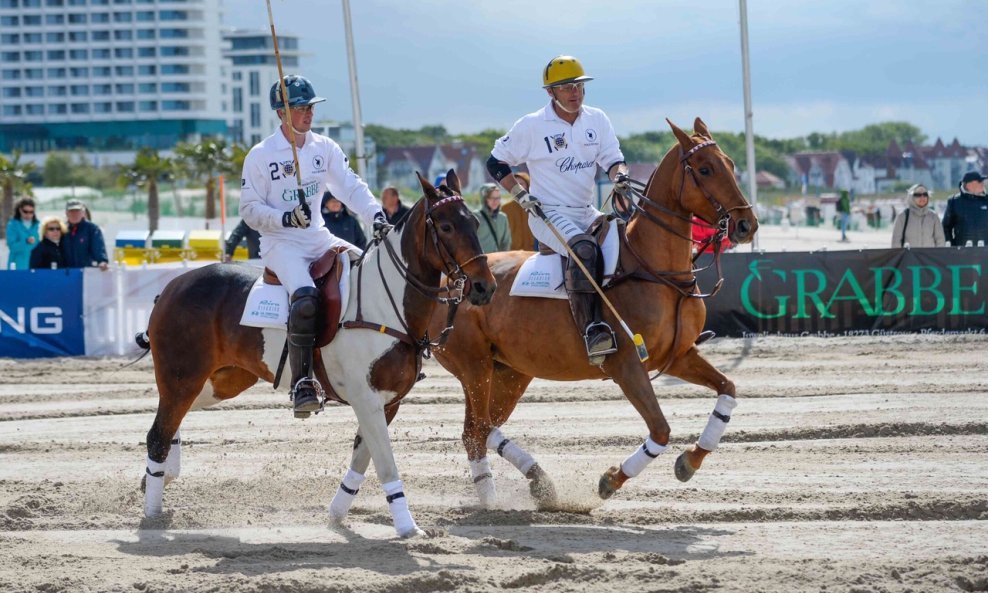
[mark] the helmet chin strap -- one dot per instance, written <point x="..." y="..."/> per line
<point x="563" y="107"/>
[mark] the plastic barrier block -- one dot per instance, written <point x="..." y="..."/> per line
<point x="138" y="239"/>
<point x="174" y="239"/>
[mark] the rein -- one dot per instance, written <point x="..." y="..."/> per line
<point x="450" y="295"/>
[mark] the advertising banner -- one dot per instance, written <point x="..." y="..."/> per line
<point x="871" y="292"/>
<point x="41" y="313"/>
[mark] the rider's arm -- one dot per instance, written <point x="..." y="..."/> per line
<point x="255" y="183"/>
<point x="348" y="187"/>
<point x="609" y="157"/>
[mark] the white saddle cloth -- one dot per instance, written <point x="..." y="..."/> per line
<point x="542" y="275"/>
<point x="267" y="304"/>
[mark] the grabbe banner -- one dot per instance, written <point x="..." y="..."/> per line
<point x="41" y="313"/>
<point x="850" y="292"/>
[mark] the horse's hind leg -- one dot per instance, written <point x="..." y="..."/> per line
<point x="174" y="400"/>
<point x="360" y="460"/>
<point x="694" y="368"/>
<point x="507" y="387"/>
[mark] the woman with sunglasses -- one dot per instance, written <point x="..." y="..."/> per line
<point x="917" y="225"/>
<point x="50" y="253"/>
<point x="22" y="234"/>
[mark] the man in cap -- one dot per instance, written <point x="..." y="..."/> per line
<point x="966" y="217"/>
<point x="291" y="237"/>
<point x="493" y="232"/>
<point x="563" y="144"/>
<point x="83" y="244"/>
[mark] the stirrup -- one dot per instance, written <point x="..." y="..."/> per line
<point x="305" y="397"/>
<point x="600" y="348"/>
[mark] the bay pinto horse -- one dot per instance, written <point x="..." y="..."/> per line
<point x="498" y="349"/>
<point x="202" y="355"/>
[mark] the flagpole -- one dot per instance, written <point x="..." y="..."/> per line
<point x="358" y="127"/>
<point x="749" y="134"/>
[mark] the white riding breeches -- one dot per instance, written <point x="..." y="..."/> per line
<point x="291" y="261"/>
<point x="568" y="220"/>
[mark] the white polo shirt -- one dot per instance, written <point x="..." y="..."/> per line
<point x="562" y="158"/>
<point x="268" y="188"/>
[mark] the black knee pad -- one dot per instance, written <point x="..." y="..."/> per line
<point x="304" y="311"/>
<point x="585" y="248"/>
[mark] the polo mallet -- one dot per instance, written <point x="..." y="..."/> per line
<point x="636" y="339"/>
<point x="286" y="117"/>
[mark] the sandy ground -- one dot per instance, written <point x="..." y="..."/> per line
<point x="851" y="465"/>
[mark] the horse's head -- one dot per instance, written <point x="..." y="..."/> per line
<point x="450" y="239"/>
<point x="708" y="186"/>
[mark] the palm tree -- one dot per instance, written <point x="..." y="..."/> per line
<point x="206" y="160"/>
<point x="147" y="170"/>
<point x="13" y="179"/>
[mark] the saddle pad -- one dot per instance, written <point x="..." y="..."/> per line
<point x="542" y="275"/>
<point x="267" y="304"/>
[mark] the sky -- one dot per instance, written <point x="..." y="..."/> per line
<point x="824" y="66"/>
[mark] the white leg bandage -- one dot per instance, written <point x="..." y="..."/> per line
<point x="483" y="480"/>
<point x="345" y="494"/>
<point x="173" y="463"/>
<point x="517" y="456"/>
<point x="717" y="423"/>
<point x="639" y="460"/>
<point x="398" y="505"/>
<point x="154" y="488"/>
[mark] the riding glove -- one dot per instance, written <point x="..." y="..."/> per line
<point x="298" y="218"/>
<point x="381" y="226"/>
<point x="622" y="184"/>
<point x="525" y="199"/>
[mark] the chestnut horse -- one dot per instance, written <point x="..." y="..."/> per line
<point x="203" y="355"/>
<point x="498" y="349"/>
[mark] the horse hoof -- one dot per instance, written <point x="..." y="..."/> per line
<point x="684" y="471"/>
<point x="414" y="532"/>
<point x="609" y="483"/>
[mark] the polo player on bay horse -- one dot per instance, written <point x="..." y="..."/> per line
<point x="562" y="144"/>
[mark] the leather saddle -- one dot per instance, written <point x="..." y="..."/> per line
<point x="326" y="274"/>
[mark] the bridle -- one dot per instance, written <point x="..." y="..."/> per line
<point x="451" y="294"/>
<point x="712" y="243"/>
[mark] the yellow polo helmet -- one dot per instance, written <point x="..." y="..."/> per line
<point x="563" y="70"/>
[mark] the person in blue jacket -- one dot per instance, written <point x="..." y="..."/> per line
<point x="83" y="243"/>
<point x="22" y="234"/>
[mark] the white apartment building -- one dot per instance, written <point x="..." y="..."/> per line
<point x="253" y="72"/>
<point x="107" y="75"/>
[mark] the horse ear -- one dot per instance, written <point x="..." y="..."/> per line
<point x="701" y="128"/>
<point x="427" y="189"/>
<point x="684" y="139"/>
<point x="453" y="182"/>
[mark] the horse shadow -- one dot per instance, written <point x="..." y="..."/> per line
<point x="233" y="555"/>
<point x="497" y="532"/>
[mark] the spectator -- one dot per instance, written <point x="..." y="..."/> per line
<point x="494" y="232"/>
<point x="394" y="210"/>
<point x="243" y="233"/>
<point x="917" y="225"/>
<point x="521" y="236"/>
<point x="83" y="244"/>
<point x="844" y="212"/>
<point x="966" y="217"/>
<point x="50" y="252"/>
<point x="340" y="222"/>
<point x="22" y="234"/>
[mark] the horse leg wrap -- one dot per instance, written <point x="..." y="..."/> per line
<point x="173" y="463"/>
<point x="483" y="480"/>
<point x="717" y="423"/>
<point x="517" y="456"/>
<point x="154" y="488"/>
<point x="398" y="505"/>
<point x="345" y="495"/>
<point x="639" y="460"/>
